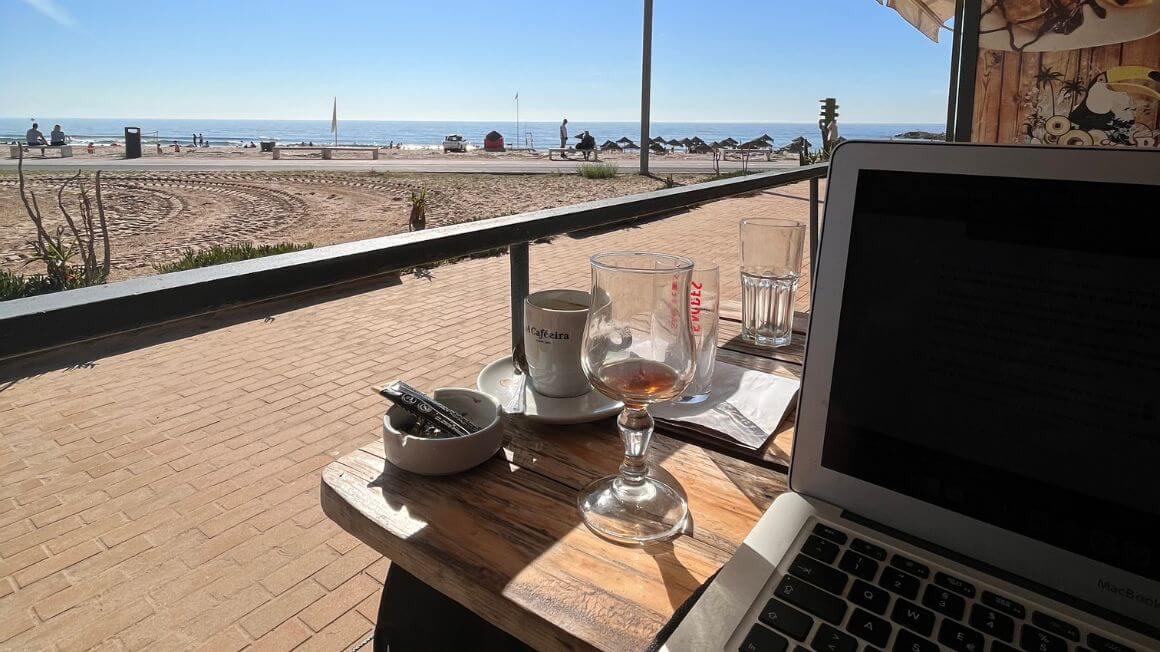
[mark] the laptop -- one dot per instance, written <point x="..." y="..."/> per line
<point x="976" y="465"/>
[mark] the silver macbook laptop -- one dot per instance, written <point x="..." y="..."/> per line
<point x="977" y="458"/>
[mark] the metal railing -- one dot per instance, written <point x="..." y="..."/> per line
<point x="47" y="321"/>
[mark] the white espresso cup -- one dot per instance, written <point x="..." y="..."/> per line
<point x="553" y="327"/>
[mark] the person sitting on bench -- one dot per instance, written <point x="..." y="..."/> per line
<point x="57" y="136"/>
<point x="34" y="137"/>
<point x="587" y="144"/>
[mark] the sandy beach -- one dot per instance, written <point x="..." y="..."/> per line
<point x="153" y="217"/>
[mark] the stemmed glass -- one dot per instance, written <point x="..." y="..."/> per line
<point x="637" y="348"/>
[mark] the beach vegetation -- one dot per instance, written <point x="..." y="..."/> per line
<point x="418" y="220"/>
<point x="597" y="170"/>
<point x="219" y="254"/>
<point x="18" y="286"/>
<point x="86" y="236"/>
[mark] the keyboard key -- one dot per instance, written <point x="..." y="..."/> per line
<point x="1000" y="646"/>
<point x="762" y="639"/>
<point x="1004" y="604"/>
<point x="869" y="627"/>
<point x="1055" y="626"/>
<point x="827" y="532"/>
<point x="959" y="638"/>
<point x="813" y="600"/>
<point x="913" y="616"/>
<point x="992" y="622"/>
<point x="829" y="639"/>
<point x="944" y="602"/>
<point x="868" y="549"/>
<point x="786" y="619"/>
<point x="908" y="642"/>
<point x="896" y="581"/>
<point x="819" y="574"/>
<point x="871" y="597"/>
<point x="1100" y="644"/>
<point x="910" y="566"/>
<point x="858" y="565"/>
<point x="1034" y="639"/>
<point x="820" y="549"/>
<point x="962" y="587"/>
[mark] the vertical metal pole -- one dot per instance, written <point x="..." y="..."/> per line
<point x="645" y="86"/>
<point x="967" y="62"/>
<point x="953" y="91"/>
<point x="518" y="270"/>
<point x="813" y="228"/>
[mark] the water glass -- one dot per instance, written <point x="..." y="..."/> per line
<point x="704" y="302"/>
<point x="771" y="262"/>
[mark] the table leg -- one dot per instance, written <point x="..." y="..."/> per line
<point x="414" y="616"/>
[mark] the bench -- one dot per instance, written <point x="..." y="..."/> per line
<point x="564" y="151"/>
<point x="65" y="150"/>
<point x="746" y="154"/>
<point x="327" y="150"/>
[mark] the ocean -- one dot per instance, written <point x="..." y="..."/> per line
<point x="421" y="134"/>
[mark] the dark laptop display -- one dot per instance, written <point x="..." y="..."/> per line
<point x="998" y="355"/>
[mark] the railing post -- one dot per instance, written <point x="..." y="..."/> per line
<point x="813" y="228"/>
<point x="518" y="270"/>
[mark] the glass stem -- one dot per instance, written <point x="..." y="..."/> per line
<point x="636" y="429"/>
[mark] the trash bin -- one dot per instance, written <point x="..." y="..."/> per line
<point x="267" y="145"/>
<point x="132" y="142"/>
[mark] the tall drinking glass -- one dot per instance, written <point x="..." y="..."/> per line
<point x="704" y="303"/>
<point x="637" y="348"/>
<point x="771" y="262"/>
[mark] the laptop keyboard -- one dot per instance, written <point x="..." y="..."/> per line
<point x="842" y="593"/>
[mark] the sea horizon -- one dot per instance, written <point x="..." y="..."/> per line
<point x="430" y="133"/>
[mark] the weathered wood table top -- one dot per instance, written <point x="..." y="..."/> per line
<point x="506" y="541"/>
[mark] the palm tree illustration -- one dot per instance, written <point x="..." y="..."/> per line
<point x="1048" y="78"/>
<point x="1073" y="89"/>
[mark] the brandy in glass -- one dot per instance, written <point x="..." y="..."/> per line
<point x="637" y="348"/>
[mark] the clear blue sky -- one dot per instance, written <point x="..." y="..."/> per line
<point x="724" y="60"/>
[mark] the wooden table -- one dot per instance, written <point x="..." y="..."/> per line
<point x="505" y="540"/>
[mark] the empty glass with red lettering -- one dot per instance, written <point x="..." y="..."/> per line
<point x="704" y="301"/>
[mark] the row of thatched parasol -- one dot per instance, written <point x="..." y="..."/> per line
<point x="695" y="144"/>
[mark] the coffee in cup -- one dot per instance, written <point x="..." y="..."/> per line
<point x="553" y="328"/>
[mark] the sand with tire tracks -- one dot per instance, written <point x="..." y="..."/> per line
<point x="153" y="217"/>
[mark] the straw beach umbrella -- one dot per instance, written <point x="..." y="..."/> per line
<point x="729" y="142"/>
<point x="766" y="137"/>
<point x="673" y="142"/>
<point x="610" y="146"/>
<point x="928" y="16"/>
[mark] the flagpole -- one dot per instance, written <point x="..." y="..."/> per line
<point x="517" y="119"/>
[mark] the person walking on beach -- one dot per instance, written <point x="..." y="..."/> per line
<point x="564" y="133"/>
<point x="194" y="141"/>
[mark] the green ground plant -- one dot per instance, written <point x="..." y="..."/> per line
<point x="597" y="170"/>
<point x="219" y="254"/>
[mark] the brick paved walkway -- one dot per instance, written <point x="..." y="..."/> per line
<point x="160" y="490"/>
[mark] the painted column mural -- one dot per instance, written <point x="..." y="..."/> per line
<point x="1073" y="72"/>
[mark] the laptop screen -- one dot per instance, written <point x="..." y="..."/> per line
<point x="998" y="355"/>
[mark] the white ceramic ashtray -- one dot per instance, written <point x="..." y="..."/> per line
<point x="450" y="455"/>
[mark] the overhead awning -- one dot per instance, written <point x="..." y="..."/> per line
<point x="928" y="16"/>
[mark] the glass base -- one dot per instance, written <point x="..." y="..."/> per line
<point x="638" y="513"/>
<point x="692" y="398"/>
<point x="766" y="341"/>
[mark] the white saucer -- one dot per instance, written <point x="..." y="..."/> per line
<point x="498" y="380"/>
